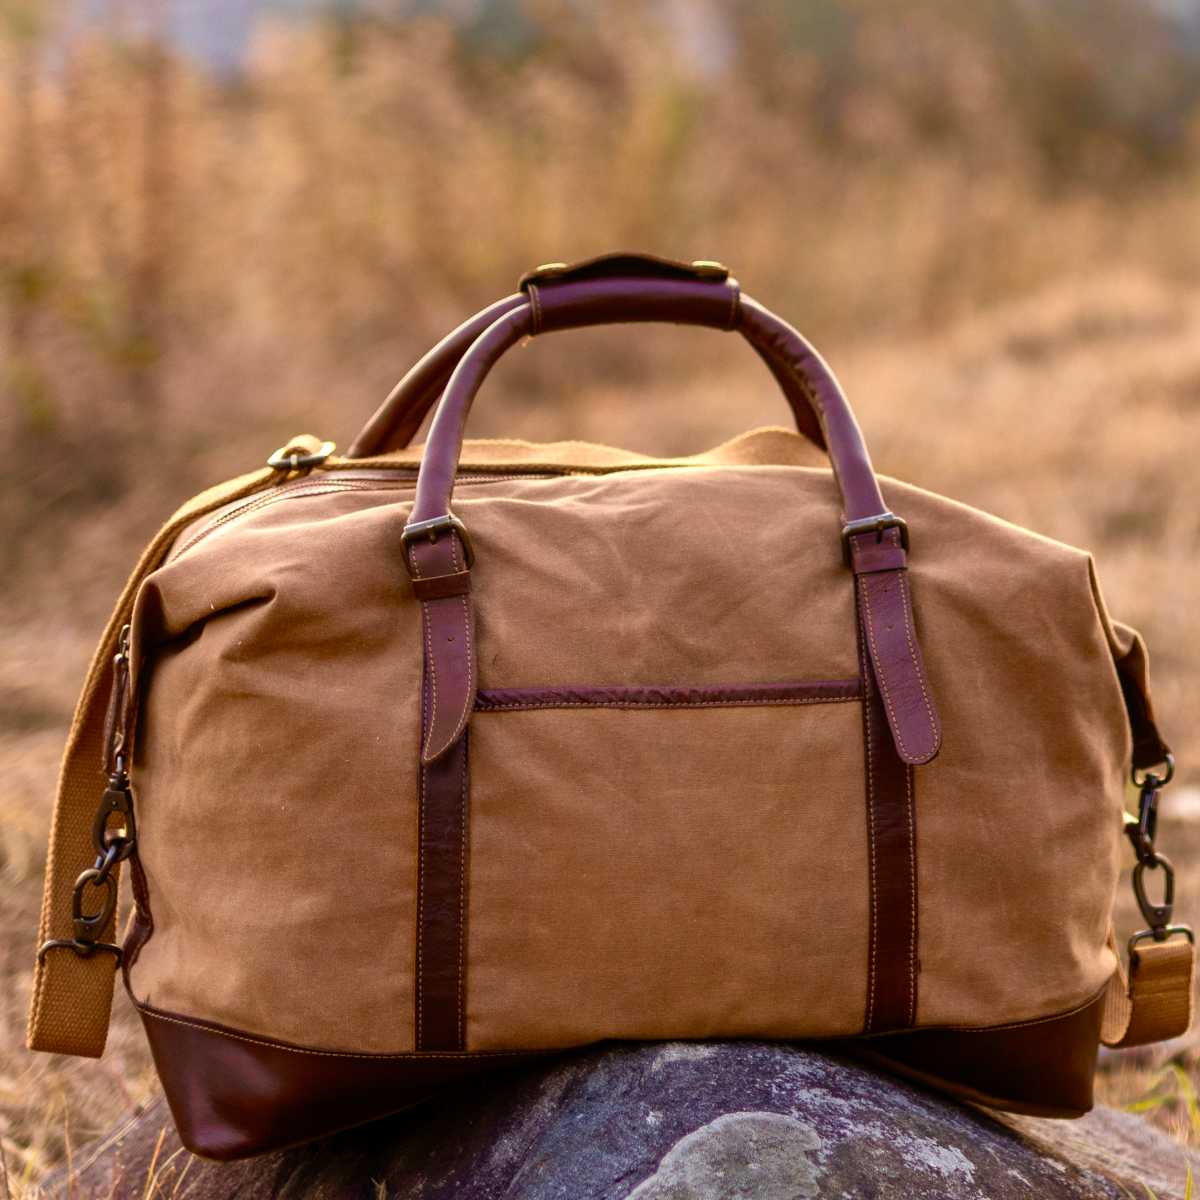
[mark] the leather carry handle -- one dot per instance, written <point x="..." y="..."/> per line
<point x="397" y="420"/>
<point x="438" y="550"/>
<point x="577" y="297"/>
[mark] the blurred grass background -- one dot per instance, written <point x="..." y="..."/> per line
<point x="984" y="214"/>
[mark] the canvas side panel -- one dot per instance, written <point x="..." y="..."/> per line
<point x="275" y="779"/>
<point x="1019" y="816"/>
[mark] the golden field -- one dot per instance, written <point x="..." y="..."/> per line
<point x="986" y="219"/>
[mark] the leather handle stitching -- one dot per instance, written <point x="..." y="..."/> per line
<point x="460" y="990"/>
<point x="880" y="673"/>
<point x="912" y="654"/>
<point x="871" y="849"/>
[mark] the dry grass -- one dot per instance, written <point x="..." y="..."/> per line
<point x="998" y="256"/>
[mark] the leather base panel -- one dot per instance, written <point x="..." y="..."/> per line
<point x="233" y="1095"/>
<point x="1041" y="1068"/>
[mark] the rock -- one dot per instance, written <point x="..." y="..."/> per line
<point x="668" y="1121"/>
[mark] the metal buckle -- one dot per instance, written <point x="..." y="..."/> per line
<point x="113" y="848"/>
<point x="116" y="799"/>
<point x="281" y="460"/>
<point x="87" y="925"/>
<point x="430" y="529"/>
<point x="1157" y="916"/>
<point x="82" y="949"/>
<point x="1141" y="830"/>
<point x="876" y="525"/>
<point x="1150" y="779"/>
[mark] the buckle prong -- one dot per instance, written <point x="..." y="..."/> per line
<point x="446" y="523"/>
<point x="876" y="525"/>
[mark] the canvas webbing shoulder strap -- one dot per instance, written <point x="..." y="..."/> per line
<point x="1155" y="1002"/>
<point x="72" y="995"/>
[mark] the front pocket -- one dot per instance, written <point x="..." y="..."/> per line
<point x="661" y="863"/>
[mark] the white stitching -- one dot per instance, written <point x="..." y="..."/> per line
<point x="874" y="930"/>
<point x="454" y="1054"/>
<point x="1020" y="1024"/>
<point x="427" y="623"/>
<point x="462" y="909"/>
<point x="912" y="652"/>
<point x="464" y="716"/>
<point x="418" y="981"/>
<point x="912" y="874"/>
<point x="880" y="674"/>
<point x="468" y="705"/>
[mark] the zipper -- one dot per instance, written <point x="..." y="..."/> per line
<point x="332" y="483"/>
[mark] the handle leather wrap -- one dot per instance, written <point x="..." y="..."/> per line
<point x="558" y="300"/>
<point x="717" y="305"/>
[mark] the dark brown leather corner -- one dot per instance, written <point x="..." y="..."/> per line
<point x="1043" y="1068"/>
<point x="233" y="1095"/>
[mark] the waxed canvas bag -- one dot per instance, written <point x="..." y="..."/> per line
<point x="728" y="746"/>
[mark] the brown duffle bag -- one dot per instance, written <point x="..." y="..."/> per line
<point x="613" y="747"/>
